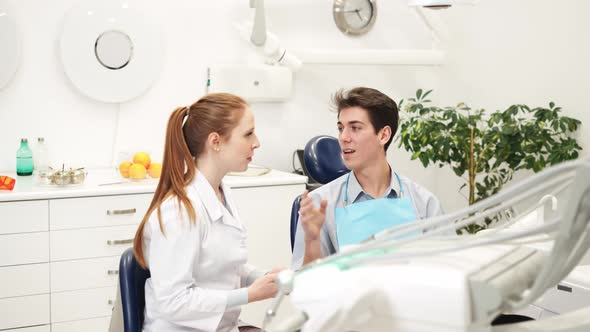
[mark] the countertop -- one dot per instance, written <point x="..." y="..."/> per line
<point x="102" y="182"/>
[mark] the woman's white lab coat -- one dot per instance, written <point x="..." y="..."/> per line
<point x="194" y="267"/>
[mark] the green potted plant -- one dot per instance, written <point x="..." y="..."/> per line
<point x="486" y="148"/>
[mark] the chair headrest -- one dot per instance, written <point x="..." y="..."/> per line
<point x="323" y="159"/>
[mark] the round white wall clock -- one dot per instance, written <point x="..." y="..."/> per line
<point x="111" y="51"/>
<point x="355" y="17"/>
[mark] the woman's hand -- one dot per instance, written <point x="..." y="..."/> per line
<point x="263" y="288"/>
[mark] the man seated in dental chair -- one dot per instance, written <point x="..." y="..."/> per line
<point x="369" y="199"/>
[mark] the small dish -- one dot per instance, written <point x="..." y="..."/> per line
<point x="62" y="177"/>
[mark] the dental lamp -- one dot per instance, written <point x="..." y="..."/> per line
<point x="268" y="82"/>
<point x="267" y="43"/>
<point x="454" y="284"/>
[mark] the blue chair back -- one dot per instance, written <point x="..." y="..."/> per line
<point x="132" y="278"/>
<point x="294" y="218"/>
<point x="323" y="159"/>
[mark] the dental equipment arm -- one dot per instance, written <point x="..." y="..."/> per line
<point x="266" y="43"/>
<point x="415" y="278"/>
<point x="258" y="36"/>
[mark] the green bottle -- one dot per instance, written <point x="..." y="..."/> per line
<point x="24" y="158"/>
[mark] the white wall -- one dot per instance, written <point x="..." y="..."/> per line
<point x="500" y="52"/>
<point x="42" y="102"/>
<point x="504" y="52"/>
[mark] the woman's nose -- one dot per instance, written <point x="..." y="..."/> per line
<point x="256" y="143"/>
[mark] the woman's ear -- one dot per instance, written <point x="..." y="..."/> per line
<point x="213" y="141"/>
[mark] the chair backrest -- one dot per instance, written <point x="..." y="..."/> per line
<point x="132" y="278"/>
<point x="323" y="159"/>
<point x="294" y="218"/>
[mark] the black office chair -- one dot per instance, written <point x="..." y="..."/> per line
<point x="132" y="278"/>
<point x="322" y="159"/>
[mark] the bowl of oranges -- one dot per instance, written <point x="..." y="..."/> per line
<point x="140" y="167"/>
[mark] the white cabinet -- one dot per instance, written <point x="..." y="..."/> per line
<point x="24" y="217"/>
<point x="41" y="328"/>
<point x="22" y="280"/>
<point x="60" y="247"/>
<point x="24" y="311"/>
<point x="86" y="212"/>
<point x="84" y="273"/>
<point x="87" y="325"/>
<point x="24" y="265"/>
<point x="267" y="213"/>
<point x="82" y="304"/>
<point x="87" y="236"/>
<point x="25" y="248"/>
<point x="91" y="242"/>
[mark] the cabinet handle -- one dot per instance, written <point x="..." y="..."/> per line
<point x="116" y="212"/>
<point x="111" y="302"/>
<point x="115" y="242"/>
<point x="112" y="272"/>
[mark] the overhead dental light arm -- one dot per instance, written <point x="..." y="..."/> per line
<point x="271" y="48"/>
<point x="258" y="36"/>
<point x="267" y="43"/>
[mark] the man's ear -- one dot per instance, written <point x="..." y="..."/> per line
<point x="384" y="134"/>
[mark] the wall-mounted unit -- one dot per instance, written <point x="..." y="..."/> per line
<point x="255" y="83"/>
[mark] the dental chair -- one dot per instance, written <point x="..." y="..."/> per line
<point x="132" y="278"/>
<point x="405" y="283"/>
<point x="322" y="159"/>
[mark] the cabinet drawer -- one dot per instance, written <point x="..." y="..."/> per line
<point x="24" y="311"/>
<point x="43" y="328"/>
<point x="82" y="304"/>
<point x="86" y="325"/>
<point x="91" y="242"/>
<point x="84" y="274"/>
<point x="24" y="248"/>
<point x="72" y="213"/>
<point x="23" y="217"/>
<point x="21" y="280"/>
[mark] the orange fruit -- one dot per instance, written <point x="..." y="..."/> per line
<point x="124" y="169"/>
<point x="137" y="171"/>
<point x="142" y="158"/>
<point x="155" y="170"/>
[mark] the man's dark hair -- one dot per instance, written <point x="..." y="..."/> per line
<point x="381" y="109"/>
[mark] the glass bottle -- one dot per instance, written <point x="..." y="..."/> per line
<point x="24" y="158"/>
<point x="40" y="156"/>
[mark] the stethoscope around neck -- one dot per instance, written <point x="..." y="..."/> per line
<point x="401" y="189"/>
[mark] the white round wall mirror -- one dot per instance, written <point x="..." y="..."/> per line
<point x="111" y="51"/>
<point x="10" y="47"/>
